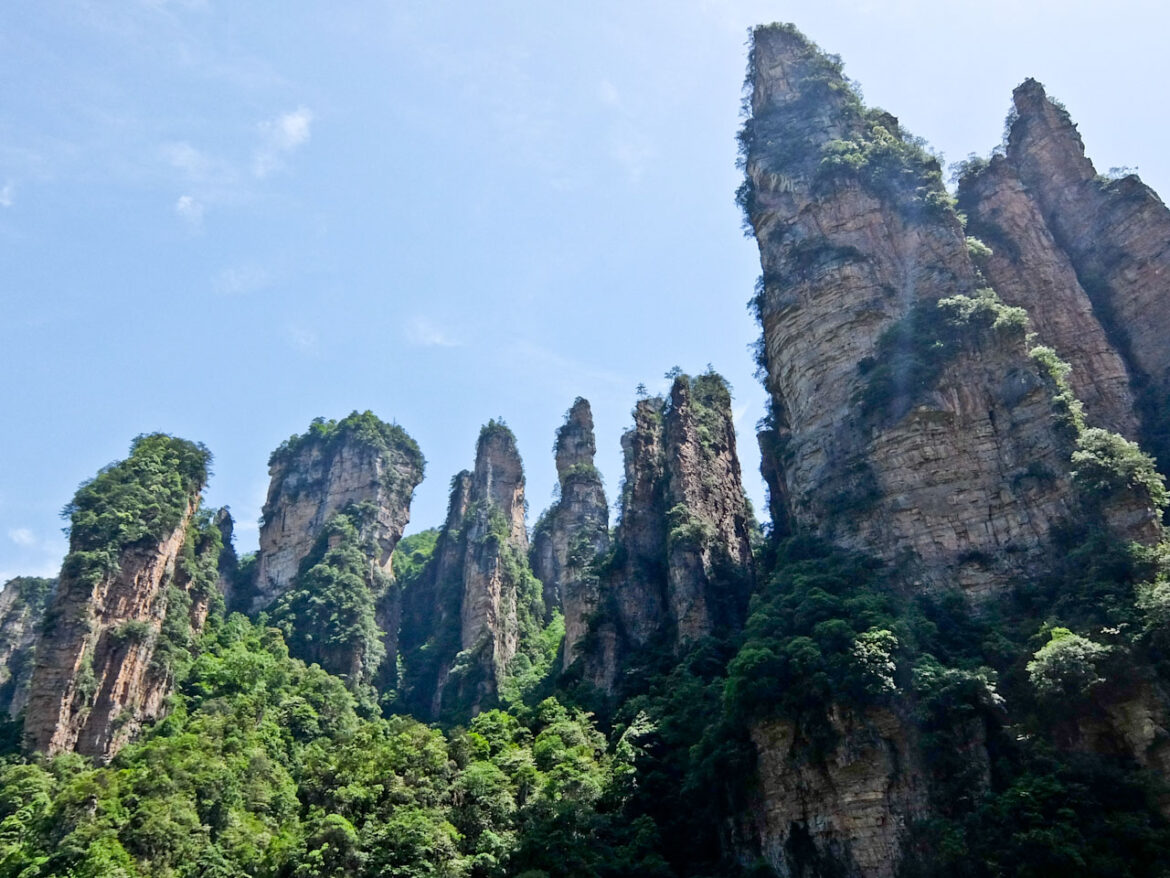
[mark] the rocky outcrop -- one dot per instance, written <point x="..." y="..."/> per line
<point x="127" y="599"/>
<point x="477" y="602"/>
<point x="1028" y="268"/>
<point x="910" y="420"/>
<point x="22" y="610"/>
<point x="847" y="811"/>
<point x="574" y="532"/>
<point x="1117" y="232"/>
<point x="682" y="560"/>
<point x="1055" y="212"/>
<point x="359" y="459"/>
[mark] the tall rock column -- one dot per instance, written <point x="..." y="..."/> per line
<point x="1116" y="234"/>
<point x="574" y="532"/>
<point x="334" y="464"/>
<point x="23" y="603"/>
<point x="477" y="606"/>
<point x="682" y="556"/>
<point x="1027" y="268"/>
<point x="911" y="421"/>
<point x="103" y="661"/>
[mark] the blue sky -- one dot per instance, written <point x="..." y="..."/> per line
<point x="221" y="220"/>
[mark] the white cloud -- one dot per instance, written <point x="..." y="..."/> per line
<point x="190" y="211"/>
<point x="303" y="340"/>
<point x="22" y="536"/>
<point x="422" y="332"/>
<point x="6" y="195"/>
<point x="282" y="136"/>
<point x="240" y="280"/>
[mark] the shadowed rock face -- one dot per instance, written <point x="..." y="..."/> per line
<point x="23" y="603"/>
<point x="1028" y="268"/>
<point x="462" y="621"/>
<point x="357" y="460"/>
<point x="574" y="532"/>
<point x="1053" y="213"/>
<point x="682" y="557"/>
<point x="858" y="243"/>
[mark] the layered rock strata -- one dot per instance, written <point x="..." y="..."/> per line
<point x="682" y="560"/>
<point x="574" y="532"/>
<point x="1028" y="268"/>
<point x="359" y="459"/>
<point x="463" y="624"/>
<point x="910" y="420"/>
<point x="22" y="611"/>
<point x="126" y="601"/>
<point x="847" y="812"/>
<point x="1048" y="209"/>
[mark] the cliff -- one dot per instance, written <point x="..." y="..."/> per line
<point x="130" y="590"/>
<point x="1054" y="212"/>
<point x="334" y="464"/>
<point x="23" y="603"/>
<point x="908" y="417"/>
<point x="471" y="623"/>
<point x="681" y="566"/>
<point x="574" y="532"/>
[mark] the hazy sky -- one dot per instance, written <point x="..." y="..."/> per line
<point x="222" y="219"/>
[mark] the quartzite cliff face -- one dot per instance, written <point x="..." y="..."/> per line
<point x="1088" y="256"/>
<point x="682" y="559"/>
<point x="356" y="460"/>
<point x="574" y="532"/>
<point x="909" y="419"/>
<point x="102" y="666"/>
<point x="22" y="610"/>
<point x="467" y="618"/>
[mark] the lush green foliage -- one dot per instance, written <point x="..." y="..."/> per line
<point x="139" y="500"/>
<point x="363" y="428"/>
<point x="1108" y="465"/>
<point x="265" y="767"/>
<point x="328" y="615"/>
<point x="912" y="353"/>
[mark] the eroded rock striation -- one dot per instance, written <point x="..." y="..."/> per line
<point x="477" y="606"/>
<point x="140" y="575"/>
<point x="681" y="564"/>
<point x="23" y="603"/>
<point x="357" y="460"/>
<point x="574" y="532"/>
<point x="909" y="419"/>
<point x="1029" y="269"/>
<point x="1115" y="235"/>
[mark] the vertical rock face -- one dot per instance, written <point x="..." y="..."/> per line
<point x="334" y="464"/>
<point x="22" y="610"/>
<point x="466" y="620"/>
<point x="1027" y="268"/>
<point x="901" y="425"/>
<point x="1115" y="234"/>
<point x="850" y="810"/>
<point x="574" y="532"/>
<point x="125" y="603"/>
<point x="682" y="561"/>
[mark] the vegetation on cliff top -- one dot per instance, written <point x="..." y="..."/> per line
<point x="361" y="428"/>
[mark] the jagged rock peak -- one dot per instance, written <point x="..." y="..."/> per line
<point x="575" y="445"/>
<point x="314" y="475"/>
<point x="682" y="562"/>
<point x="498" y="478"/>
<point x="103" y="664"/>
<point x="574" y="532"/>
<point x="1114" y="231"/>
